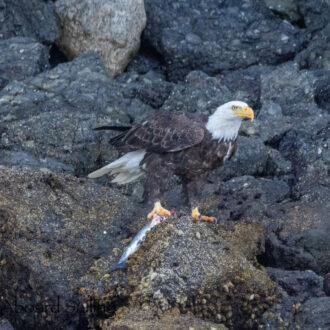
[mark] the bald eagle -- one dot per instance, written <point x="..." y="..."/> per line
<point x="173" y="143"/>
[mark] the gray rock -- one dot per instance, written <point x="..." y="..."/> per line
<point x="327" y="284"/>
<point x="322" y="89"/>
<point x="53" y="229"/>
<point x="306" y="146"/>
<point x="270" y="111"/>
<point x="314" y="314"/>
<point x="288" y="9"/>
<point x="315" y="13"/>
<point x="21" y="58"/>
<point x="28" y="18"/>
<point x="5" y="325"/>
<point x="112" y="29"/>
<point x="214" y="37"/>
<point x="52" y="115"/>
<point x="300" y="285"/>
<point x="246" y="82"/>
<point x="287" y="86"/>
<point x="150" y="88"/>
<point x="21" y="159"/>
<point x="146" y="60"/>
<point x="254" y="158"/>
<point x="296" y="239"/>
<point x="196" y="274"/>
<point x="198" y="93"/>
<point x="247" y="197"/>
<point x="317" y="53"/>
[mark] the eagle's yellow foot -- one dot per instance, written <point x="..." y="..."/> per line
<point x="196" y="215"/>
<point x="159" y="210"/>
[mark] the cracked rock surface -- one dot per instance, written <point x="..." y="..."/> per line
<point x="265" y="263"/>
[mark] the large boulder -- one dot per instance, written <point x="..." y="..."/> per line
<point x="53" y="228"/>
<point x="112" y="28"/>
<point x="207" y="271"/>
<point x="213" y="37"/>
<point x="51" y="116"/>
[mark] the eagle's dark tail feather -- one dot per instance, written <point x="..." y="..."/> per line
<point x="115" y="127"/>
<point x="117" y="138"/>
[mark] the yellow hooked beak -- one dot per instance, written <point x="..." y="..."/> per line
<point x="245" y="112"/>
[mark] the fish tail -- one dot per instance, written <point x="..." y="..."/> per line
<point x="118" y="265"/>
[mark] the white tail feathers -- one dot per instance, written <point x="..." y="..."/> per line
<point x="127" y="167"/>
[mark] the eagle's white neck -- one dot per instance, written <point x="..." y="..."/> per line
<point x="223" y="127"/>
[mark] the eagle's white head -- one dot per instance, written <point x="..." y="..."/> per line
<point x="225" y="122"/>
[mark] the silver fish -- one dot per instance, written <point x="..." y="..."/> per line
<point x="136" y="242"/>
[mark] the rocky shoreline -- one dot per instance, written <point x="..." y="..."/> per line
<point x="264" y="265"/>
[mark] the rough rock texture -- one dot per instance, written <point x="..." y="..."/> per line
<point x="135" y="319"/>
<point x="207" y="271"/>
<point x="5" y="325"/>
<point x="113" y="29"/>
<point x="314" y="314"/>
<point x="299" y="285"/>
<point x="28" y="18"/>
<point x="53" y="228"/>
<point x="266" y="262"/>
<point x="317" y="54"/>
<point x="21" y="58"/>
<point x="214" y="36"/>
<point x="52" y="115"/>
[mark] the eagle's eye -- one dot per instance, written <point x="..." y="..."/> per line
<point x="235" y="107"/>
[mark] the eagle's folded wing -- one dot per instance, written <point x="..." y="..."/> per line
<point x="164" y="133"/>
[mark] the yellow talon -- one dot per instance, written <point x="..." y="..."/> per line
<point x="196" y="215"/>
<point x="159" y="210"/>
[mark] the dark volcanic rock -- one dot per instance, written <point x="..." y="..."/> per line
<point x="198" y="93"/>
<point x="317" y="53"/>
<point x="52" y="115"/>
<point x="300" y="285"/>
<point x="248" y="197"/>
<point x="21" y="158"/>
<point x="308" y="14"/>
<point x="206" y="271"/>
<point x="288" y="9"/>
<point x="322" y="89"/>
<point x="53" y="229"/>
<point x="28" y="18"/>
<point x="327" y="284"/>
<point x="246" y="83"/>
<point x="5" y="325"/>
<point x="297" y="238"/>
<point x="214" y="36"/>
<point x="150" y="88"/>
<point x="287" y="86"/>
<point x="21" y="58"/>
<point x="315" y="13"/>
<point x="314" y="314"/>
<point x="307" y="147"/>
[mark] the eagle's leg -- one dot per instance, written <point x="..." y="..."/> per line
<point x="193" y="189"/>
<point x="156" y="184"/>
<point x="196" y="215"/>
